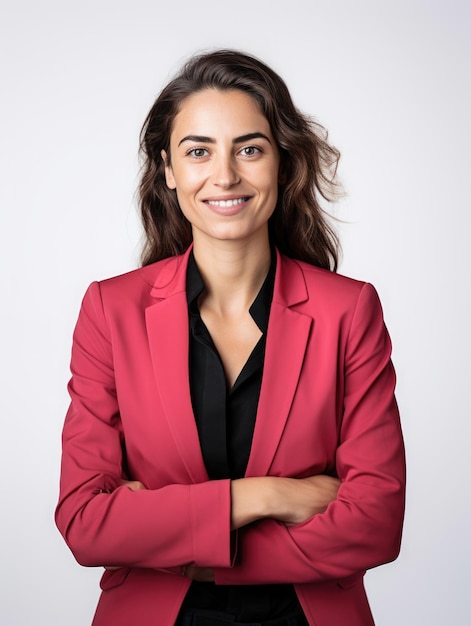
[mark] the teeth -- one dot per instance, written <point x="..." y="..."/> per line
<point x="226" y="203"/>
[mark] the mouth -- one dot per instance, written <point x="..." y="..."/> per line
<point x="228" y="203"/>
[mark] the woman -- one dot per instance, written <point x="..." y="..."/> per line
<point x="232" y="452"/>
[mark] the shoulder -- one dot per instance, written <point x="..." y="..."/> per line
<point x="316" y="277"/>
<point x="138" y="288"/>
<point x="149" y="279"/>
<point x="327" y="293"/>
<point x="320" y="281"/>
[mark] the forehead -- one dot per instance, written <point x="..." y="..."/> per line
<point x="213" y="111"/>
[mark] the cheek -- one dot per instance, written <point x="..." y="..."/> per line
<point x="267" y="177"/>
<point x="186" y="199"/>
<point x="270" y="185"/>
<point x="182" y="201"/>
<point x="187" y="180"/>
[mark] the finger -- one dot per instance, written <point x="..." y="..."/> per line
<point x="134" y="485"/>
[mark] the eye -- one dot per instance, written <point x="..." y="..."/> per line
<point x="250" y="151"/>
<point x="198" y="153"/>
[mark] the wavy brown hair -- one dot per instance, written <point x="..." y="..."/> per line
<point x="299" y="226"/>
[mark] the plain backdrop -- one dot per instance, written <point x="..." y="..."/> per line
<point x="390" y="80"/>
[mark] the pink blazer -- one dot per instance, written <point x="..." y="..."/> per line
<point x="326" y="406"/>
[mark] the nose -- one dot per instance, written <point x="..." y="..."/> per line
<point x="225" y="173"/>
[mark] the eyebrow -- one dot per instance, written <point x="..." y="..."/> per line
<point x="241" y="139"/>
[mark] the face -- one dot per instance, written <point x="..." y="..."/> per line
<point x="224" y="166"/>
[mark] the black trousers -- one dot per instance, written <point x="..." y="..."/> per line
<point x="198" y="617"/>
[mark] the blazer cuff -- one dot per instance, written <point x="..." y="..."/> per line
<point x="213" y="541"/>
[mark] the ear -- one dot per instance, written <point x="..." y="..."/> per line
<point x="169" y="178"/>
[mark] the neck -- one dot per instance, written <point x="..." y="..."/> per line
<point x="233" y="272"/>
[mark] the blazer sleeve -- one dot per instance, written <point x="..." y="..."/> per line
<point x="362" y="527"/>
<point x="103" y="522"/>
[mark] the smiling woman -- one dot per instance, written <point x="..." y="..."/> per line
<point x="232" y="453"/>
<point x="306" y="170"/>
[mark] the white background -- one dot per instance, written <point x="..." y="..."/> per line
<point x="390" y="79"/>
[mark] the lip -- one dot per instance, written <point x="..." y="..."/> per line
<point x="227" y="205"/>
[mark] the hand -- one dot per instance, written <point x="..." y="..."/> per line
<point x="296" y="500"/>
<point x="201" y="574"/>
<point x="134" y="485"/>
<point x="289" y="500"/>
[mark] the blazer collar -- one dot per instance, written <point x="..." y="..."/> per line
<point x="290" y="287"/>
<point x="171" y="276"/>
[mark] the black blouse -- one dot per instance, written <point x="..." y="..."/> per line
<point x="225" y="420"/>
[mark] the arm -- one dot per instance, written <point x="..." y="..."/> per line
<point x="362" y="527"/>
<point x="102" y="521"/>
<point x="288" y="500"/>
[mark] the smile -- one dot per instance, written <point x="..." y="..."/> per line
<point x="227" y="204"/>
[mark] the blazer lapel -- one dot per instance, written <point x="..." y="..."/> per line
<point x="167" y="329"/>
<point x="287" y="338"/>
